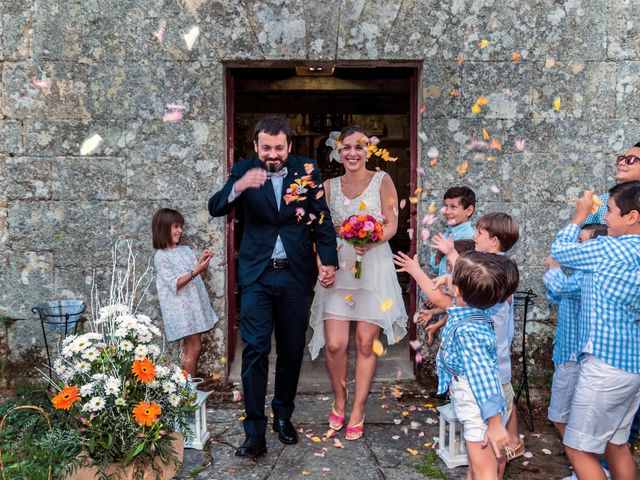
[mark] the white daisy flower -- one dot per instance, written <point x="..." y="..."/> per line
<point x="162" y="371"/>
<point x="126" y="346"/>
<point x="153" y="384"/>
<point x="96" y="404"/>
<point x="112" y="386"/>
<point x="91" y="354"/>
<point x="155" y="330"/>
<point x="174" y="400"/>
<point x="168" y="387"/>
<point x="120" y="332"/>
<point x="144" y="319"/>
<point x="178" y="378"/>
<point x="145" y="337"/>
<point x="120" y="402"/>
<point x="86" y="407"/>
<point x="154" y="350"/>
<point x="98" y="377"/>
<point x="86" y="389"/>
<point x="140" y="352"/>
<point x="83" y="367"/>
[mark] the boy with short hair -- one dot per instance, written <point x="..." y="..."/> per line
<point x="459" y="205"/>
<point x="607" y="393"/>
<point x="497" y="233"/>
<point x="564" y="291"/>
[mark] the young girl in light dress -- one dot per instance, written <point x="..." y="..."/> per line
<point x="184" y="300"/>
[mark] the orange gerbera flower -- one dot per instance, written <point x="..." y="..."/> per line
<point x="146" y="413"/>
<point x="144" y="370"/>
<point x="65" y="398"/>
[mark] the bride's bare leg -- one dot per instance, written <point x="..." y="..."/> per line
<point x="336" y="336"/>
<point x="366" y="362"/>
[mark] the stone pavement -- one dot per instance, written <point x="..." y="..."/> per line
<point x="398" y="433"/>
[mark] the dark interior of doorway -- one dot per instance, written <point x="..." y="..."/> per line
<point x="377" y="99"/>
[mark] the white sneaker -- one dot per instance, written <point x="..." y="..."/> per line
<point x="607" y="473"/>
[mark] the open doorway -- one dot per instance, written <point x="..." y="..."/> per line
<point x="381" y="99"/>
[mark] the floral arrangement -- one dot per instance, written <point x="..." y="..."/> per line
<point x="360" y="230"/>
<point x="123" y="397"/>
<point x="335" y="142"/>
<point x="298" y="189"/>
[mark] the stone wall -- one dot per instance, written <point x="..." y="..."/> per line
<point x="60" y="212"/>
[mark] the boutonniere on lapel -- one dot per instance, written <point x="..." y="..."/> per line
<point x="296" y="192"/>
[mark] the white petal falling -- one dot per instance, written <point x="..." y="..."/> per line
<point x="90" y="144"/>
<point x="191" y="36"/>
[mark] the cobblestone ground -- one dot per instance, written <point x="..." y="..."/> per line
<point x="399" y="436"/>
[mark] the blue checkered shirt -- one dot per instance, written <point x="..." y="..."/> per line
<point x="610" y="300"/>
<point x="598" y="217"/>
<point x="464" y="231"/>
<point x="469" y="349"/>
<point x="564" y="290"/>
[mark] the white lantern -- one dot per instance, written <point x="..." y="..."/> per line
<point x="451" y="446"/>
<point x="198" y="422"/>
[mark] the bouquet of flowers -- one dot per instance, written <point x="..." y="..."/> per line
<point x="123" y="397"/>
<point x="360" y="230"/>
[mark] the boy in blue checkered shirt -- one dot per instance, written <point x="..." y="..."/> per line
<point x="459" y="205"/>
<point x="607" y="393"/>
<point x="564" y="291"/>
<point x="467" y="361"/>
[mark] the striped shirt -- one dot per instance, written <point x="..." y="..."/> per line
<point x="468" y="349"/>
<point x="564" y="290"/>
<point x="610" y="300"/>
<point x="463" y="231"/>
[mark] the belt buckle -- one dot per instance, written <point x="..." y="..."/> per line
<point x="279" y="263"/>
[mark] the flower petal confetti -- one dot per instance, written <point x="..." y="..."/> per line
<point x="557" y="103"/>
<point x="90" y="144"/>
<point x="159" y="34"/>
<point x="412" y="451"/>
<point x="546" y="451"/>
<point x="433" y="152"/>
<point x="172" y="116"/>
<point x="597" y="203"/>
<point x="515" y="58"/>
<point x="519" y="145"/>
<point x="403" y="202"/>
<point x="337" y="443"/>
<point x="483" y="43"/>
<point x="44" y="83"/>
<point x="415" y="344"/>
<point x="386" y="305"/>
<point x="464" y="168"/>
<point x="191" y="36"/>
<point x="362" y="205"/>
<point x="378" y="349"/>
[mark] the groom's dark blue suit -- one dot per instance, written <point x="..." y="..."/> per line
<point x="276" y="298"/>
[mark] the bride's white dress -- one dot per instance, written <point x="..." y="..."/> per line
<point x="376" y="296"/>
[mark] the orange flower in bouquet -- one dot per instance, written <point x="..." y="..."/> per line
<point x="360" y="230"/>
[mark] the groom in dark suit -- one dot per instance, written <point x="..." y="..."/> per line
<point x="285" y="215"/>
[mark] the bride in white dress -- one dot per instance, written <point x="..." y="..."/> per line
<point x="374" y="301"/>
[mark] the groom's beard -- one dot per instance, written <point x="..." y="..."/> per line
<point x="273" y="166"/>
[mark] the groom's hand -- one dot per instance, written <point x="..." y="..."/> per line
<point x="253" y="178"/>
<point x="327" y="275"/>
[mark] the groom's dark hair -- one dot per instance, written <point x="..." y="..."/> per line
<point x="272" y="126"/>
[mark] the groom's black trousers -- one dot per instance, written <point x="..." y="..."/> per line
<point x="276" y="300"/>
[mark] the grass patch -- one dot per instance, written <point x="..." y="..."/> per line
<point x="427" y="466"/>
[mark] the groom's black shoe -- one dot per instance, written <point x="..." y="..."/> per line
<point x="252" y="447"/>
<point x="286" y="432"/>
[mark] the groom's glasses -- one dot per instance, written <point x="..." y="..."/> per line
<point x="627" y="159"/>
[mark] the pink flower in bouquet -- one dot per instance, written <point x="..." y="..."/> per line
<point x="360" y="230"/>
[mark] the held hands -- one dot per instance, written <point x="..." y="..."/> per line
<point x="442" y="243"/>
<point x="584" y="207"/>
<point x="254" y="178"/>
<point x="326" y="275"/>
<point x="550" y="262"/>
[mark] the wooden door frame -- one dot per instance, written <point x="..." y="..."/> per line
<point x="414" y="161"/>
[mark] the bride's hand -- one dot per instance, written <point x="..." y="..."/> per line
<point x="361" y="249"/>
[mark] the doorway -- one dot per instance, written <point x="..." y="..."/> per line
<point x="316" y="100"/>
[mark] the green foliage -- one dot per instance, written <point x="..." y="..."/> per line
<point x="28" y="446"/>
<point x="427" y="466"/>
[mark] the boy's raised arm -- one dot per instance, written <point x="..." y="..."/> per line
<point x="412" y="267"/>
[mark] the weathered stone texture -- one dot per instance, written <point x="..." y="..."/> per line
<point x="110" y="75"/>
